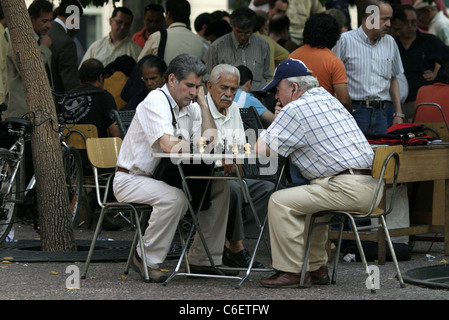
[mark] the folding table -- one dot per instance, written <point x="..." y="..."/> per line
<point x="210" y="158"/>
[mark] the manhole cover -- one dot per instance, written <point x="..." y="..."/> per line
<point x="431" y="276"/>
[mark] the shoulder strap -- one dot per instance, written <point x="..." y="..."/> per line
<point x="171" y="109"/>
<point x="162" y="43"/>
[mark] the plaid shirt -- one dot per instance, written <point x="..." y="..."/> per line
<point x="320" y="136"/>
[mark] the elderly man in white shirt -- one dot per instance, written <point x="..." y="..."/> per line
<point x="152" y="131"/>
<point x="222" y="87"/>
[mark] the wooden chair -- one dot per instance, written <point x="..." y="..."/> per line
<point x="102" y="154"/>
<point x="77" y="134"/>
<point x="385" y="166"/>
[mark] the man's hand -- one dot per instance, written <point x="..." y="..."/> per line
<point x="229" y="169"/>
<point x="201" y="98"/>
<point x="46" y="40"/>
<point x="277" y="108"/>
<point x="429" y="75"/>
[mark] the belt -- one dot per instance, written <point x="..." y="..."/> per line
<point x="122" y="170"/>
<point x="375" y="104"/>
<point x="366" y="172"/>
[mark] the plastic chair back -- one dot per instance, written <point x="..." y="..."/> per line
<point x="124" y="119"/>
<point x="251" y="119"/>
<point x="421" y="117"/>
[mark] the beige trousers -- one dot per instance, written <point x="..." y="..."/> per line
<point x="289" y="208"/>
<point x="169" y="206"/>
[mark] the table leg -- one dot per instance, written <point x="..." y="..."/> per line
<point x="446" y="219"/>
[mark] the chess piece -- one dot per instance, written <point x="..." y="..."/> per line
<point x="247" y="148"/>
<point x="202" y="143"/>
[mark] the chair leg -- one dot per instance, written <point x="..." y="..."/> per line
<point x="307" y="252"/>
<point x="142" y="247"/>
<point x="393" y="253"/>
<point x="132" y="251"/>
<point x="337" y="253"/>
<point x="94" y="240"/>
<point x="136" y="238"/>
<point x="362" y="253"/>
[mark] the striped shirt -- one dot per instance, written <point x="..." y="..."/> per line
<point x="369" y="68"/>
<point x="319" y="135"/>
<point x="153" y="118"/>
<point x="255" y="55"/>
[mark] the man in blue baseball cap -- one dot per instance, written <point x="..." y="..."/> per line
<point x="321" y="138"/>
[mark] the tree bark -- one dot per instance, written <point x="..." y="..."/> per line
<point x="52" y="198"/>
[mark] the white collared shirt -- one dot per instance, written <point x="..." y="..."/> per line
<point x="152" y="120"/>
<point x="104" y="50"/>
<point x="229" y="126"/>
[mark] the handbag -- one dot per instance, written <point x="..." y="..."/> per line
<point x="168" y="172"/>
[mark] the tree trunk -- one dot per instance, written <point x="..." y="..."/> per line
<point x="52" y="198"/>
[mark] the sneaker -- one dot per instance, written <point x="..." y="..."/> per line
<point x="156" y="275"/>
<point x="240" y="259"/>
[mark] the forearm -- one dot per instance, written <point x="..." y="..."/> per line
<point x="395" y="98"/>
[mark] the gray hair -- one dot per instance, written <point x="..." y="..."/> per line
<point x="185" y="64"/>
<point x="223" y="68"/>
<point x="304" y="82"/>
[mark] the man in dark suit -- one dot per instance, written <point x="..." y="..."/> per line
<point x="64" y="61"/>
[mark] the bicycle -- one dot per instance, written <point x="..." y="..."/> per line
<point x="13" y="193"/>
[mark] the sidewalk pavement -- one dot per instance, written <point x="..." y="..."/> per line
<point x="107" y="281"/>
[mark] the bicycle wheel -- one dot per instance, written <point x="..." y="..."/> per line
<point x="73" y="168"/>
<point x="8" y="193"/>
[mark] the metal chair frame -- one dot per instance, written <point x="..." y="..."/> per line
<point x="102" y="153"/>
<point x="382" y="169"/>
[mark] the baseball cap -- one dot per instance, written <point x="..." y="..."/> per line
<point x="286" y="69"/>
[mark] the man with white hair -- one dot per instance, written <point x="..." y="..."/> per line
<point x="222" y="87"/>
<point x="435" y="20"/>
<point x="319" y="136"/>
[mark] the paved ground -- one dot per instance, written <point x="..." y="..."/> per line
<point x="106" y="281"/>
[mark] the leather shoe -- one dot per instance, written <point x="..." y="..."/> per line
<point x="286" y="280"/>
<point x="320" y="276"/>
<point x="212" y="271"/>
<point x="240" y="259"/>
<point x="156" y="275"/>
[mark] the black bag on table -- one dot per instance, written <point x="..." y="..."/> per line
<point x="168" y="172"/>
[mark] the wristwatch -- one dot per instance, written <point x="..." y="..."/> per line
<point x="400" y="115"/>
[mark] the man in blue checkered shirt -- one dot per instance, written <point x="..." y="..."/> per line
<point x="319" y="136"/>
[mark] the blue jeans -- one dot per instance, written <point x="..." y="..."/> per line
<point x="373" y="120"/>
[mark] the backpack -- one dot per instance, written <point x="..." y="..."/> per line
<point x="406" y="134"/>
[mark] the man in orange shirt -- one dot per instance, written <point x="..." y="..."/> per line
<point x="153" y="21"/>
<point x="321" y="33"/>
